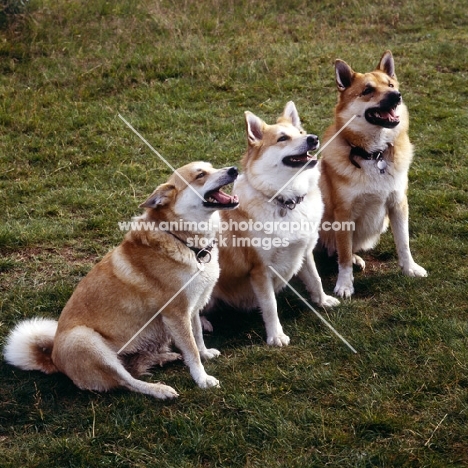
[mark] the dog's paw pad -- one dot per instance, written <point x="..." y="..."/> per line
<point x="415" y="270"/>
<point x="164" y="392"/>
<point x="209" y="353"/>
<point x="278" y="340"/>
<point x="329" y="301"/>
<point x="344" y="291"/>
<point x="208" y="382"/>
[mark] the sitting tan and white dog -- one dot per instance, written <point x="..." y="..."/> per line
<point x="141" y="297"/>
<point x="276" y="224"/>
<point x="364" y="169"/>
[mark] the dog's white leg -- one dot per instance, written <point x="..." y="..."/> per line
<point x="310" y="277"/>
<point x="344" y="247"/>
<point x="398" y="215"/>
<point x="265" y="294"/>
<point x="181" y="331"/>
<point x="205" y="353"/>
<point x="344" y="284"/>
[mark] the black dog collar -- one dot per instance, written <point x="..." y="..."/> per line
<point x="200" y="254"/>
<point x="362" y="153"/>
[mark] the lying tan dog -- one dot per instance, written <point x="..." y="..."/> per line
<point x="282" y="207"/>
<point x="110" y="331"/>
<point x="364" y="169"/>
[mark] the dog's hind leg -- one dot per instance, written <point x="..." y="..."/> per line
<point x="125" y="379"/>
<point x="139" y="363"/>
<point x="84" y="356"/>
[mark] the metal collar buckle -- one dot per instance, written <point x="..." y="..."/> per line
<point x="375" y="156"/>
<point x="288" y="204"/>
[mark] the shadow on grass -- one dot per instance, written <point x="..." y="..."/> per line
<point x="233" y="328"/>
<point x="381" y="271"/>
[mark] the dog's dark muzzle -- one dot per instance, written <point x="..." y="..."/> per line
<point x="304" y="159"/>
<point x="217" y="198"/>
<point x="384" y="114"/>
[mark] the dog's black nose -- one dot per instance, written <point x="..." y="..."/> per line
<point x="233" y="172"/>
<point x="393" y="98"/>
<point x="312" y="141"/>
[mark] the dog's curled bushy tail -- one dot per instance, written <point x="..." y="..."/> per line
<point x="29" y="345"/>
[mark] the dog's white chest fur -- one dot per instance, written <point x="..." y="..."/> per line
<point x="296" y="230"/>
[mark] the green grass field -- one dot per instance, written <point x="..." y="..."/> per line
<point x="183" y="73"/>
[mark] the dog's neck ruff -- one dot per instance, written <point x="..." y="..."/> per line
<point x="202" y="255"/>
<point x="288" y="204"/>
<point x="362" y="153"/>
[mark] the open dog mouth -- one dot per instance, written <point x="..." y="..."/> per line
<point x="221" y="200"/>
<point x="383" y="117"/>
<point x="300" y="160"/>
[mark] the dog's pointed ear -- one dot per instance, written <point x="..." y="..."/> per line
<point x="290" y="113"/>
<point x="160" y="197"/>
<point x="254" y="126"/>
<point x="344" y="75"/>
<point x="387" y="64"/>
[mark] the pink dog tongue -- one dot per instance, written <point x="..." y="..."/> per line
<point x="390" y="115"/>
<point x="223" y="198"/>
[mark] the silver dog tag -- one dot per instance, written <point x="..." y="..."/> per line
<point x="381" y="165"/>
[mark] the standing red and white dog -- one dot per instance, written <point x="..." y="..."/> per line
<point x="364" y="169"/>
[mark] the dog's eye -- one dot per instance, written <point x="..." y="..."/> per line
<point x="201" y="175"/>
<point x="367" y="91"/>
<point x="391" y="85"/>
<point x="283" y="138"/>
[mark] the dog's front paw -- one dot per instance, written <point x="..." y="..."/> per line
<point x="208" y="381"/>
<point x="344" y="289"/>
<point x="209" y="353"/>
<point x="344" y="284"/>
<point x="278" y="340"/>
<point x="414" y="270"/>
<point x="329" y="301"/>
